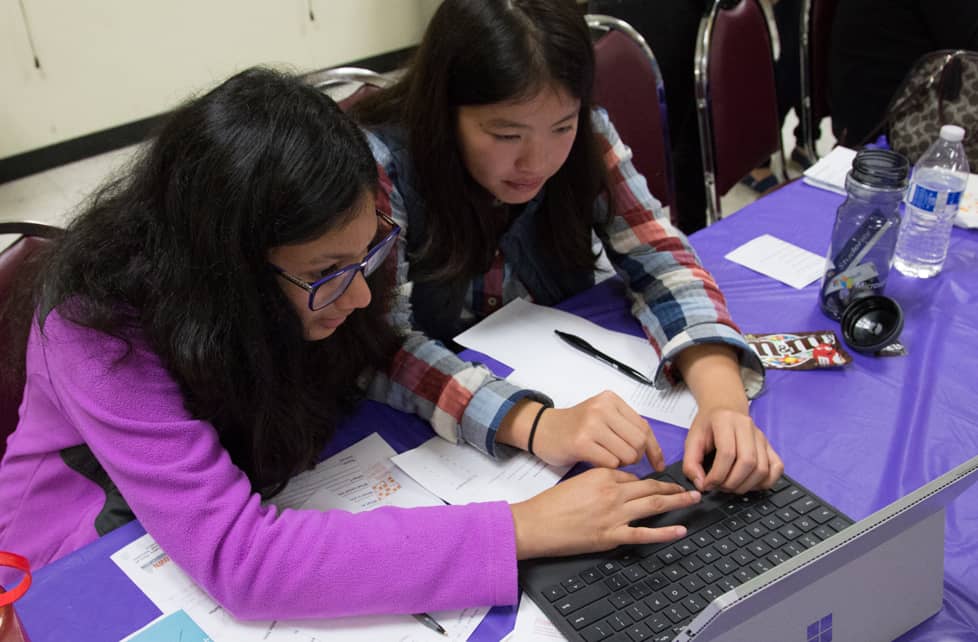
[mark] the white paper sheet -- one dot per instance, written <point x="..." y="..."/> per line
<point x="521" y="335"/>
<point x="357" y="478"/>
<point x="968" y="209"/>
<point x="829" y="172"/>
<point x="459" y="474"/>
<point x="363" y="474"/>
<point x="779" y="260"/>
<point x="532" y="625"/>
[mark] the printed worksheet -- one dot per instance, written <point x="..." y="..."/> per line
<point x="460" y="474"/>
<point x="779" y="260"/>
<point x="363" y="474"/>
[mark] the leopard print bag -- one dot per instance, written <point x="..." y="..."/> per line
<point x="940" y="89"/>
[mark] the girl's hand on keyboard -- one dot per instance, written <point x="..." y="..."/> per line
<point x="592" y="512"/>
<point x="603" y="431"/>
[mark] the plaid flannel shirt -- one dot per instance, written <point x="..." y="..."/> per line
<point x="672" y="295"/>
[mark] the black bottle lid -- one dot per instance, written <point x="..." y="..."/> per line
<point x="881" y="168"/>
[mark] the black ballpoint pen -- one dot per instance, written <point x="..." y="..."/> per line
<point x="588" y="349"/>
<point x="430" y="622"/>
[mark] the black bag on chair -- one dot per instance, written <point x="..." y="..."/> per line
<point x="940" y="89"/>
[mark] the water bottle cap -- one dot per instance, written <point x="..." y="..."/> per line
<point x="952" y="133"/>
<point x="871" y="323"/>
<point x="881" y="168"/>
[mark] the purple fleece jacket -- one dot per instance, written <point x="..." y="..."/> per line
<point x="257" y="562"/>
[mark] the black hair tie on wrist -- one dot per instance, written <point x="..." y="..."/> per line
<point x="533" y="430"/>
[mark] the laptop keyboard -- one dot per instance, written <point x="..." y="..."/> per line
<point x="651" y="592"/>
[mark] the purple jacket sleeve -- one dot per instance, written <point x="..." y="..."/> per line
<point x="259" y="563"/>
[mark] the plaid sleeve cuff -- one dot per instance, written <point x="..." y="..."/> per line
<point x="751" y="369"/>
<point x="486" y="410"/>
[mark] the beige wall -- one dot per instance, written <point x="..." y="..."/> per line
<point x="109" y="62"/>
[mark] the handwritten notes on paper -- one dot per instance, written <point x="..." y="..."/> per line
<point x="779" y="260"/>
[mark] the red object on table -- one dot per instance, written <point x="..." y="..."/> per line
<point x="10" y="627"/>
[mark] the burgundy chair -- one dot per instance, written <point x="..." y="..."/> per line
<point x="346" y="85"/>
<point x="32" y="237"/>
<point x="736" y="94"/>
<point x="816" y="27"/>
<point x="627" y="83"/>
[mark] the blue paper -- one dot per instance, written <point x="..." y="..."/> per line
<point x="174" y="627"/>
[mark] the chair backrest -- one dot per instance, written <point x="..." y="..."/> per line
<point x="628" y="85"/>
<point x="816" y="29"/>
<point x="346" y="85"/>
<point x="32" y="237"/>
<point x="736" y="94"/>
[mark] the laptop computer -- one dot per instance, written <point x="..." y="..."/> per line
<point x="776" y="565"/>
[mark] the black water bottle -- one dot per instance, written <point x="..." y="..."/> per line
<point x="865" y="232"/>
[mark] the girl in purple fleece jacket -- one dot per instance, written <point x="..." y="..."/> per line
<point x="198" y="332"/>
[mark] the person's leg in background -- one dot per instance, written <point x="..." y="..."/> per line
<point x="669" y="27"/>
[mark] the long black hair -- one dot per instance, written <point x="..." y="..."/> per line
<point x="177" y="247"/>
<point x="479" y="52"/>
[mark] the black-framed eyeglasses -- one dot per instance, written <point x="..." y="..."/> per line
<point x="327" y="289"/>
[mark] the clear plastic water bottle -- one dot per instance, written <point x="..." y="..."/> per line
<point x="865" y="230"/>
<point x="938" y="180"/>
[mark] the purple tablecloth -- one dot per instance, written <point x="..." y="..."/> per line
<point x="860" y="436"/>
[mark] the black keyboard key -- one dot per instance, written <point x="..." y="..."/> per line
<point x="772" y="522"/>
<point x="634" y="573"/>
<point x="621" y="599"/>
<point x="725" y="547"/>
<point x="639" y="632"/>
<point x="727" y="584"/>
<point x="573" y="584"/>
<point x="708" y="555"/>
<point x="692" y="583"/>
<point x="709" y="574"/>
<point x="823" y="532"/>
<point x="759" y="549"/>
<point x="591" y="575"/>
<point x="790" y="532"/>
<point x="657" y="582"/>
<point x="742" y="558"/>
<point x="677" y="613"/>
<point x="765" y="508"/>
<point x="657" y="602"/>
<point x="710" y="593"/>
<point x="750" y="515"/>
<point x="718" y="530"/>
<point x="628" y="557"/>
<point x="618" y="621"/>
<point x="774" y="540"/>
<point x="804" y="505"/>
<point x="838" y="524"/>
<point x="694" y="604"/>
<point x="692" y="564"/>
<point x="781" y="484"/>
<point x="639" y="590"/>
<point x="702" y="539"/>
<point x="674" y="573"/>
<point x="777" y="557"/>
<point x="686" y="547"/>
<point x="807" y="540"/>
<point x="822" y="514"/>
<point x="639" y="611"/>
<point x="591" y="614"/>
<point x="581" y="598"/>
<point x="675" y="593"/>
<point x="668" y="556"/>
<point x="734" y="523"/>
<point x="741" y="539"/>
<point x="609" y="568"/>
<point x="791" y="549"/>
<point x="657" y="623"/>
<point x="597" y="632"/>
<point x="786" y="515"/>
<point x="787" y="496"/>
<point x="651" y="564"/>
<point x="760" y="566"/>
<point x="726" y="566"/>
<point x="805" y="524"/>
<point x="555" y="592"/>
<point x="616" y="582"/>
<point x="757" y="531"/>
<point x="744" y="574"/>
